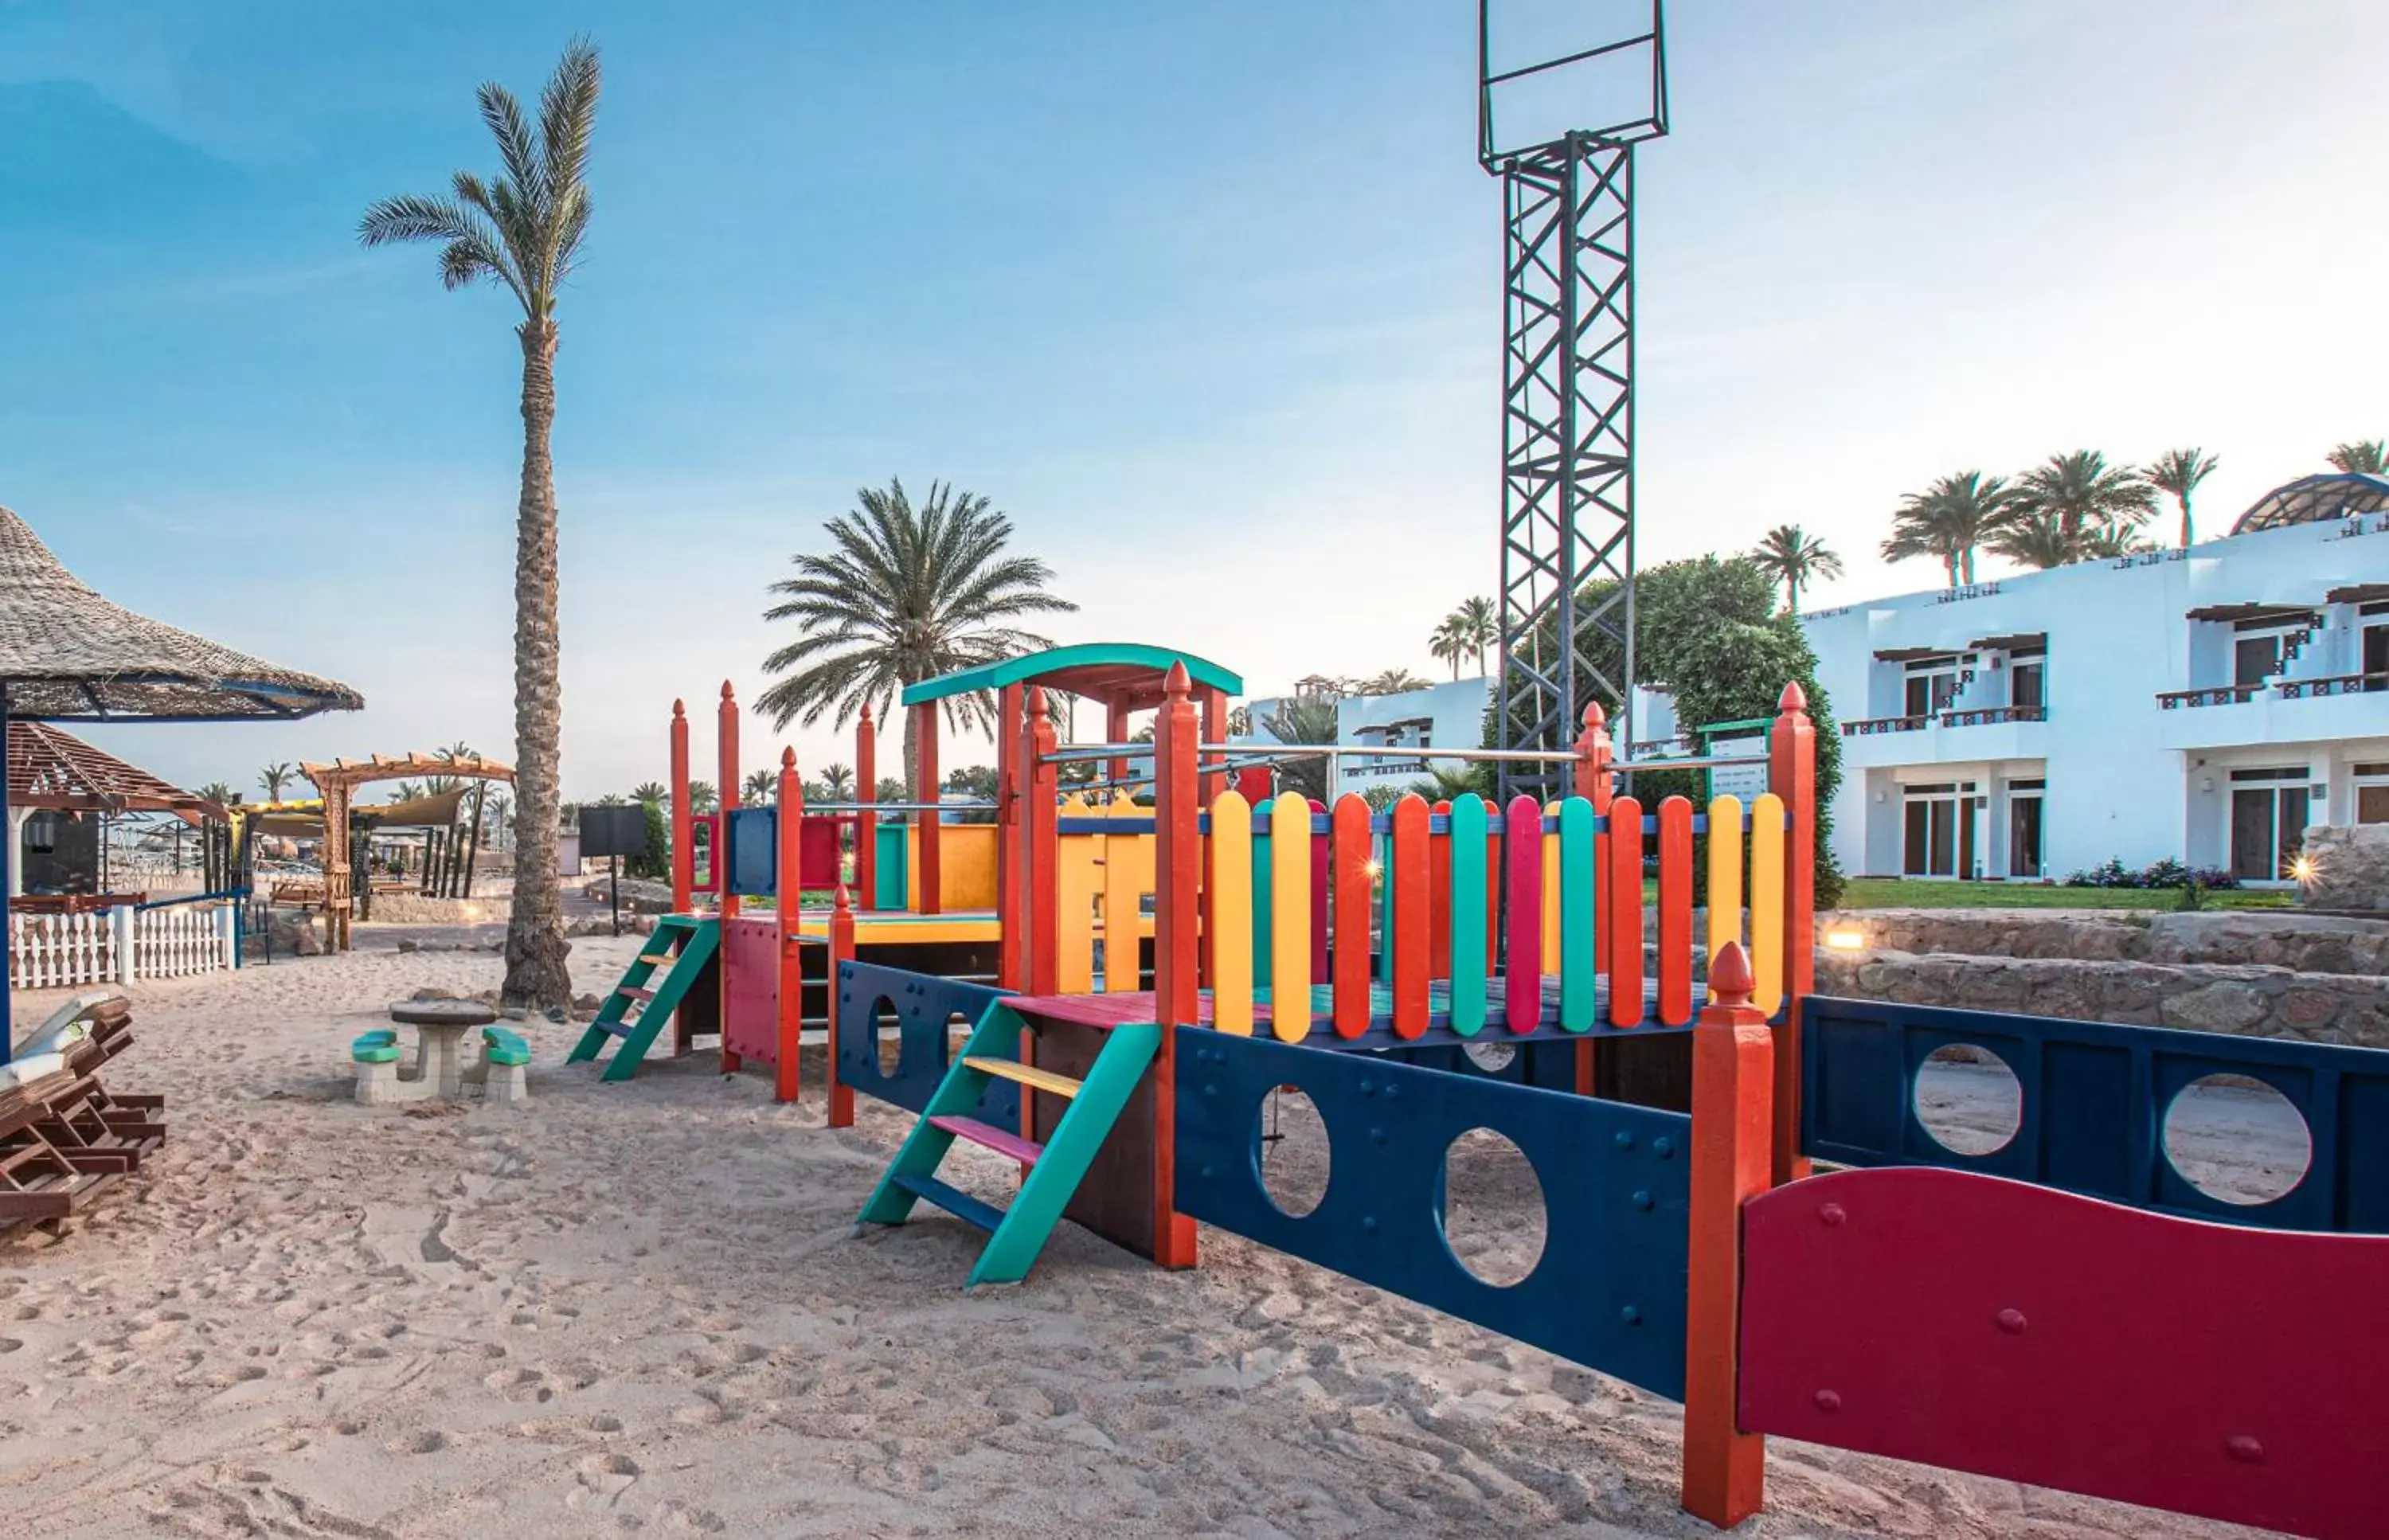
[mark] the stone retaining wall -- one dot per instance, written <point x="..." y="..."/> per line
<point x="2279" y="937"/>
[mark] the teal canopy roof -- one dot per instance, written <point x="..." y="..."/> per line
<point x="1129" y="674"/>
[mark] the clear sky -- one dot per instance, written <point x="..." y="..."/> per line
<point x="1205" y="296"/>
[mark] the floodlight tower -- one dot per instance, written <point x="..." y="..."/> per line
<point x="1567" y="370"/>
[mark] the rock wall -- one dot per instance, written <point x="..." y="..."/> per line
<point x="2285" y="938"/>
<point x="2351" y="866"/>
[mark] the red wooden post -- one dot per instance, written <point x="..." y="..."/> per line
<point x="1792" y="775"/>
<point x="1675" y="911"/>
<point x="1010" y="728"/>
<point x="683" y="848"/>
<point x="1625" y="906"/>
<point x="1595" y="782"/>
<point x="1116" y="731"/>
<point x="927" y="825"/>
<point x="866" y="824"/>
<point x="727" y="740"/>
<point x="788" y="891"/>
<point x="1215" y="730"/>
<point x="1349" y="834"/>
<point x="841" y="949"/>
<point x="1725" y="1468"/>
<point x="1040" y="852"/>
<point x="1178" y="858"/>
<point x="1255" y="782"/>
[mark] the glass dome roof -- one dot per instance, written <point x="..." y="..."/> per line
<point x="2313" y="499"/>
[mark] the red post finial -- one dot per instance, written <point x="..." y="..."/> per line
<point x="1178" y="684"/>
<point x="788" y="759"/>
<point x="1594" y="716"/>
<point x="1794" y="698"/>
<point x="1035" y="701"/>
<point x="679" y="708"/>
<point x="838" y="902"/>
<point x="725" y="689"/>
<point x="1730" y="976"/>
<point x="866" y="713"/>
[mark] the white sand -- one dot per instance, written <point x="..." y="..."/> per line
<point x="643" y="1309"/>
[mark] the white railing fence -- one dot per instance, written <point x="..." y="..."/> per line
<point x="117" y="946"/>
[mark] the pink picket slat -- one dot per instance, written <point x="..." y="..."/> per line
<point x="1675" y="911"/>
<point x="1522" y="968"/>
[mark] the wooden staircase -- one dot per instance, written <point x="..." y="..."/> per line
<point x="1054" y="1168"/>
<point x="640" y="1005"/>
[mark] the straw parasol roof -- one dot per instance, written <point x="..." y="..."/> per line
<point x="68" y="654"/>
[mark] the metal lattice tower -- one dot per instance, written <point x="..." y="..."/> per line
<point x="1567" y="387"/>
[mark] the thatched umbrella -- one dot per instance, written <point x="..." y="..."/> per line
<point x="69" y="656"/>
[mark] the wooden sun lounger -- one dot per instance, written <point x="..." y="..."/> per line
<point x="66" y="1137"/>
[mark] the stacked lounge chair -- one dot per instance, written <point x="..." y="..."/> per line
<point x="64" y="1137"/>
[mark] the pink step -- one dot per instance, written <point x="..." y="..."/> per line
<point x="988" y="1134"/>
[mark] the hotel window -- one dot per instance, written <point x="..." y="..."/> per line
<point x="2025" y="799"/>
<point x="2258" y="641"/>
<point x="2026" y="677"/>
<point x="2375" y="618"/>
<point x="2371" y="792"/>
<point x="2269" y="812"/>
<point x="1932" y="684"/>
<point x="1938" y="829"/>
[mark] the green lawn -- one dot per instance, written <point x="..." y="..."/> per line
<point x="1910" y="893"/>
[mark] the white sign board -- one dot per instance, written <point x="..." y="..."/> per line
<point x="1747" y="782"/>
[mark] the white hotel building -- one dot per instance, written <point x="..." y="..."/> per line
<point x="2205" y="704"/>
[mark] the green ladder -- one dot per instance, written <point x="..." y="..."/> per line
<point x="681" y="946"/>
<point x="1056" y="1168"/>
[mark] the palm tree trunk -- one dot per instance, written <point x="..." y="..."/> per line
<point x="1792" y="592"/>
<point x="536" y="975"/>
<point x="2185" y="522"/>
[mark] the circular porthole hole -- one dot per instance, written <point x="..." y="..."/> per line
<point x="2237" y="1140"/>
<point x="958" y="1031"/>
<point x="1291" y="1145"/>
<point x="1968" y="1099"/>
<point x="1490" y="1058"/>
<point x="1493" y="1215"/>
<point x="884" y="1036"/>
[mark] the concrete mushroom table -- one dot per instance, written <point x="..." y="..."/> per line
<point x="439" y="1026"/>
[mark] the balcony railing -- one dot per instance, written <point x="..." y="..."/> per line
<point x="1867" y="727"/>
<point x="1985" y="716"/>
<point x="2338" y="684"/>
<point x="2213" y="694"/>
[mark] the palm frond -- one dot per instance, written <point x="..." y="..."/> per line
<point x="516" y="150"/>
<point x="414" y="218"/>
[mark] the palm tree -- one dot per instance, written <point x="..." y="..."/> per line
<point x="838" y="779"/>
<point x="2038" y="540"/>
<point x="1476" y="621"/>
<point x="904" y="595"/>
<point x="651" y="791"/>
<point x="1947" y="519"/>
<point x="1792" y="556"/>
<point x="702" y="797"/>
<point x="276" y="776"/>
<point x="2083" y="491"/>
<point x="761" y="787"/>
<point x="1392" y="681"/>
<point x="2177" y="472"/>
<point x="1448" y="643"/>
<point x="523" y="232"/>
<point x="407" y="791"/>
<point x="1445" y="782"/>
<point x="2365" y="457"/>
<point x="1303" y="719"/>
<point x="217" y="793"/>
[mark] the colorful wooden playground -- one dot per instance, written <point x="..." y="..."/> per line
<point x="1132" y="984"/>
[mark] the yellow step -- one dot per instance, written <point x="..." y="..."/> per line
<point x="1028" y="1074"/>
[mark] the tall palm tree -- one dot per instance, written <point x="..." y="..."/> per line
<point x="1449" y="644"/>
<point x="838" y="780"/>
<point x="761" y="787"/>
<point x="1303" y="719"/>
<point x="702" y="797"/>
<point x="523" y="232"/>
<point x="904" y="595"/>
<point x="1949" y="520"/>
<point x="1792" y="556"/>
<point x="1479" y="625"/>
<point x="2177" y="472"/>
<point x="2037" y="539"/>
<point x="651" y="791"/>
<point x="2083" y="492"/>
<point x="276" y="776"/>
<point x="1391" y="681"/>
<point x="2366" y="456"/>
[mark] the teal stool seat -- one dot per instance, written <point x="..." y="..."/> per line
<point x="380" y="1036"/>
<point x="374" y="1053"/>
<point x="502" y="1047"/>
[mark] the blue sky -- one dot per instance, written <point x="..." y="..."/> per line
<point x="1204" y="295"/>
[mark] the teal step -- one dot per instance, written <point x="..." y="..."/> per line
<point x="657" y="982"/>
<point x="1017" y="1234"/>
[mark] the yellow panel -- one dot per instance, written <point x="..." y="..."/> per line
<point x="1766" y="900"/>
<point x="1290" y="917"/>
<point x="1725" y="874"/>
<point x="1128" y="876"/>
<point x="1551" y="952"/>
<point x="966" y="865"/>
<point x="1028" y="1074"/>
<point x="1077" y="870"/>
<point x="1231" y="882"/>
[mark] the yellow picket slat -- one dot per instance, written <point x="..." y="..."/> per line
<point x="1231" y="882"/>
<point x="1551" y="848"/>
<point x="1725" y="874"/>
<point x="1290" y="917"/>
<point x="1127" y="877"/>
<point x="1078" y="871"/>
<point x="1767" y="901"/>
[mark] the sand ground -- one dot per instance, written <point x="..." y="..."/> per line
<point x="644" y="1309"/>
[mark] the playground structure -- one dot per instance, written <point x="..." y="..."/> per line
<point x="926" y="895"/>
<point x="2019" y="1313"/>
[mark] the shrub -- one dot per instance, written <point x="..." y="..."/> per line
<point x="2165" y="873"/>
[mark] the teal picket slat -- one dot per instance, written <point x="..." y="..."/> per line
<point x="1580" y="884"/>
<point x="1469" y="963"/>
<point x="1264" y="895"/>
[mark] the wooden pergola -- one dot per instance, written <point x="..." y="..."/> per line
<point x="51" y="767"/>
<point x="341" y="777"/>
